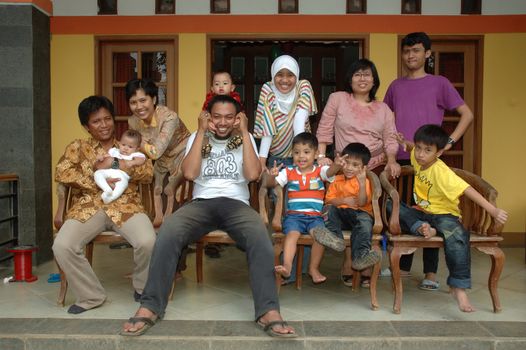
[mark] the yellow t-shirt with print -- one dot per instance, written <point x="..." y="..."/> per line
<point x="437" y="189"/>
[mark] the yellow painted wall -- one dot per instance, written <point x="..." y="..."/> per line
<point x="504" y="123"/>
<point x="72" y="79"/>
<point x="383" y="51"/>
<point x="192" y="83"/>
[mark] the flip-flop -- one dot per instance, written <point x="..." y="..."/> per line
<point x="429" y="285"/>
<point x="269" y="329"/>
<point x="148" y="323"/>
<point x="365" y="281"/>
<point x="347" y="280"/>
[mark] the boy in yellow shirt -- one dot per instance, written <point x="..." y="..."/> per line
<point x="436" y="192"/>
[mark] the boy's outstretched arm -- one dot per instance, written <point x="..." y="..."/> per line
<point x="500" y="215"/>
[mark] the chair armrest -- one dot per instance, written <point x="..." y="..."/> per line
<point x="393" y="222"/>
<point x="62" y="194"/>
<point x="377" y="193"/>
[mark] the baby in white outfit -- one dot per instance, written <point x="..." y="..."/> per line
<point x="127" y="151"/>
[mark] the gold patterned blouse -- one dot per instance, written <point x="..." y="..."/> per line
<point x="75" y="169"/>
<point x="164" y="139"/>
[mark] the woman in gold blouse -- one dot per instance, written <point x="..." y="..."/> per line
<point x="164" y="138"/>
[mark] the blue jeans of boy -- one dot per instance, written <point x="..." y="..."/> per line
<point x="358" y="221"/>
<point x="456" y="240"/>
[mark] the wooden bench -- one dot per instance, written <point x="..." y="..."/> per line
<point x="307" y="240"/>
<point x="485" y="231"/>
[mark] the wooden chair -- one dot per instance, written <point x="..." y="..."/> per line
<point x="307" y="240"/>
<point x="485" y="232"/>
<point x="106" y="237"/>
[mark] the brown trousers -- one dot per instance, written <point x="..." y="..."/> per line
<point x="73" y="236"/>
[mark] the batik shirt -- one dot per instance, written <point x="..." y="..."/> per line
<point x="75" y="169"/>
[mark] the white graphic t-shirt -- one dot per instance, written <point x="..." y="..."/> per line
<point x="222" y="171"/>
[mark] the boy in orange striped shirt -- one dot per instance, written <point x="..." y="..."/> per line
<point x="305" y="190"/>
<point x="349" y="207"/>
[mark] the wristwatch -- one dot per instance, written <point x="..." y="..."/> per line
<point x="115" y="163"/>
<point x="450" y="141"/>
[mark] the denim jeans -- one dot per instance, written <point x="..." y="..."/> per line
<point x="359" y="221"/>
<point x="456" y="241"/>
<point x="196" y="219"/>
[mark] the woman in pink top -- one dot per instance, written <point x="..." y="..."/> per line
<point x="355" y="116"/>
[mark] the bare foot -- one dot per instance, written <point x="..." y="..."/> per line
<point x="317" y="277"/>
<point x="461" y="297"/>
<point x="427" y="231"/>
<point x="130" y="327"/>
<point x="277" y="329"/>
<point x="282" y="270"/>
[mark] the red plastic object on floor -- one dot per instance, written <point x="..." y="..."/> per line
<point x="23" y="256"/>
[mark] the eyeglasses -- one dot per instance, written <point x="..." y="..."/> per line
<point x="362" y="75"/>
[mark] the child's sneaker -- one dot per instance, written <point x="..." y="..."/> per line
<point x="325" y="237"/>
<point x="367" y="260"/>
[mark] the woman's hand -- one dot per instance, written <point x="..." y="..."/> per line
<point x="393" y="169"/>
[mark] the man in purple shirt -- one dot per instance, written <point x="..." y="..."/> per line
<point x="416" y="99"/>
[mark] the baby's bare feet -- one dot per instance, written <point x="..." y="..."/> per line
<point x="462" y="299"/>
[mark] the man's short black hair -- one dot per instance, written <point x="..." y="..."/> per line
<point x="433" y="135"/>
<point x="92" y="104"/>
<point x="147" y="85"/>
<point x="306" y="138"/>
<point x="357" y="150"/>
<point x="412" y="39"/>
<point x="223" y="99"/>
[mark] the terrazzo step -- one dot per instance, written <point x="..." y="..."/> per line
<point x="79" y="334"/>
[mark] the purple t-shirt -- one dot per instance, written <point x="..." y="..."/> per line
<point x="416" y="102"/>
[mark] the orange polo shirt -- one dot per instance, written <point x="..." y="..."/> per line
<point x="342" y="187"/>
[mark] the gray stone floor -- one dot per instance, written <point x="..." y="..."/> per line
<point x="219" y="313"/>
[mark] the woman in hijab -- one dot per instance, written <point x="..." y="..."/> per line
<point x="285" y="104"/>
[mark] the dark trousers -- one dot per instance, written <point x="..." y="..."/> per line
<point x="196" y="219"/>
<point x="358" y="221"/>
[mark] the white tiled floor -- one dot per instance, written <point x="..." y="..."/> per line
<point x="225" y="294"/>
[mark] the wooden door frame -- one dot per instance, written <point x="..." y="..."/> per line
<point x="172" y="102"/>
<point x="477" y="110"/>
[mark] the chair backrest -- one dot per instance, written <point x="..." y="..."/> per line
<point x="474" y="218"/>
<point x="64" y="202"/>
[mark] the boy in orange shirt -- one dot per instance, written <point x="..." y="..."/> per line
<point x="349" y="206"/>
